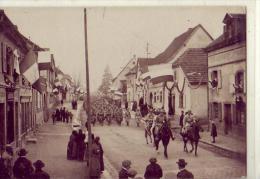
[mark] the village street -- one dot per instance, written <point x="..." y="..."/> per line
<point x="124" y="142"/>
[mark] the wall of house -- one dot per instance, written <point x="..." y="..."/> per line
<point x="199" y="102"/>
<point x="121" y="76"/>
<point x="186" y="93"/>
<point x="131" y="89"/>
<point x="227" y="62"/>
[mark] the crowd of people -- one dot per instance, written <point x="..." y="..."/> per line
<point x="153" y="170"/>
<point x="76" y="146"/>
<point x="62" y="114"/>
<point x="22" y="168"/>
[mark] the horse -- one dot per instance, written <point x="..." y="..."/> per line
<point x="163" y="133"/>
<point x="192" y="135"/>
<point x="147" y="130"/>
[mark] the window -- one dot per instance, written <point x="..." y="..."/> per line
<point x="9" y="61"/>
<point x="181" y="101"/>
<point x="239" y="82"/>
<point x="216" y="79"/>
<point x="215" y="110"/>
<point x="154" y="96"/>
<point x="160" y="96"/>
<point x="3" y="55"/>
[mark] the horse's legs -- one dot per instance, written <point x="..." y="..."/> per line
<point x="191" y="142"/>
<point x="196" y="147"/>
<point x="185" y="145"/>
<point x="145" y="134"/>
<point x="165" y="150"/>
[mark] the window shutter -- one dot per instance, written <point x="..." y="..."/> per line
<point x="211" y="75"/>
<point x="244" y="82"/>
<point x="219" y="79"/>
<point x="231" y="83"/>
<point x="234" y="116"/>
<point x="210" y="111"/>
<point x="4" y="59"/>
<point x="220" y="111"/>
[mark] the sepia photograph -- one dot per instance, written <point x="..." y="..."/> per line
<point x="156" y="92"/>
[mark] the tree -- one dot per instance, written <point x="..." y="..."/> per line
<point x="104" y="88"/>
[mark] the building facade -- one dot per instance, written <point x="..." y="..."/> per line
<point x="227" y="76"/>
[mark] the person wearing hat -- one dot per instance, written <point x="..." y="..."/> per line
<point x="183" y="173"/>
<point x="22" y="167"/>
<point x="153" y="170"/>
<point x="39" y="173"/>
<point x="4" y="174"/>
<point x="123" y="173"/>
<point x="8" y="158"/>
<point x="214" y="133"/>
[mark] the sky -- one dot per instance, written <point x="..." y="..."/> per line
<point x="115" y="34"/>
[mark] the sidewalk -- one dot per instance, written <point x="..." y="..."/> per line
<point x="225" y="145"/>
<point x="51" y="148"/>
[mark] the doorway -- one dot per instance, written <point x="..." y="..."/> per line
<point x="10" y="122"/>
<point x="227" y="118"/>
<point x="151" y="99"/>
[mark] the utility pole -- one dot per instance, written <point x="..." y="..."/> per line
<point x="88" y="125"/>
<point x="147" y="50"/>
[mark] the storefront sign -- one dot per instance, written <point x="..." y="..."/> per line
<point x="25" y="92"/>
<point x="25" y="99"/>
<point x="2" y="95"/>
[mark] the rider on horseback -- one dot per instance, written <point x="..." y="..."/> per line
<point x="158" y="121"/>
<point x="148" y="120"/>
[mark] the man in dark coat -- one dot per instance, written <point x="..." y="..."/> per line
<point x="123" y="173"/>
<point x="39" y="173"/>
<point x="22" y="167"/>
<point x="214" y="131"/>
<point x="57" y="114"/>
<point x="153" y="170"/>
<point x="97" y="141"/>
<point x="181" y="119"/>
<point x="196" y="133"/>
<point x="63" y="114"/>
<point x="80" y="138"/>
<point x="183" y="173"/>
<point x="3" y="170"/>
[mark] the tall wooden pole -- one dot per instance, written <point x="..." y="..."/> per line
<point x="88" y="95"/>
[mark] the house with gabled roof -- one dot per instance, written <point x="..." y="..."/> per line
<point x="190" y="88"/>
<point x="158" y="70"/>
<point x="119" y="83"/>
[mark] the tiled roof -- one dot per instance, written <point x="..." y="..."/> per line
<point x="194" y="62"/>
<point x="44" y="66"/>
<point x="169" y="53"/>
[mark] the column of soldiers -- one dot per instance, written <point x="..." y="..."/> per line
<point x="102" y="111"/>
